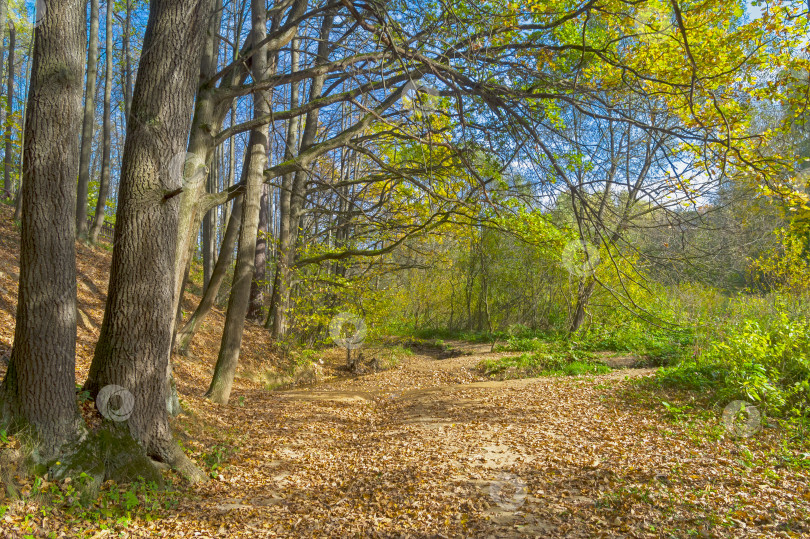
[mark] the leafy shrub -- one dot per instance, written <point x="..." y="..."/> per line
<point x="691" y="375"/>
<point x="660" y="346"/>
<point x="441" y="334"/>
<point x="521" y="344"/>
<point x="216" y="460"/>
<point x="541" y="364"/>
<point x="762" y="363"/>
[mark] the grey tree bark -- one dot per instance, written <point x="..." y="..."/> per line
<point x="39" y="387"/>
<point x="237" y="28"/>
<point x="209" y="227"/>
<point x="211" y="109"/>
<point x="3" y="18"/>
<point x="88" y="124"/>
<point x="136" y="335"/>
<point x="200" y="151"/>
<point x="585" y="289"/>
<point x="104" y="180"/>
<point x="220" y="389"/>
<point x="8" y="163"/>
<point x="126" y="79"/>
<point x="186" y="335"/>
<point x="256" y="302"/>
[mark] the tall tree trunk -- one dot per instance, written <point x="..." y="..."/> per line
<point x="18" y="204"/>
<point x="257" y="286"/>
<point x="289" y="238"/>
<point x="211" y="111"/>
<point x="209" y="227"/>
<point x="136" y="335"/>
<point x="185" y="335"/>
<point x="126" y="79"/>
<point x="278" y="312"/>
<point x="104" y="180"/>
<point x="200" y="150"/>
<point x="232" y="164"/>
<point x="237" y="29"/>
<point x="9" y="157"/>
<point x="39" y="387"/>
<point x="88" y="124"/>
<point x="220" y="389"/>
<point x="3" y="19"/>
<point x="584" y="292"/>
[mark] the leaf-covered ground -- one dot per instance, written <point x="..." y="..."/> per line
<point x="426" y="450"/>
<point x="430" y="449"/>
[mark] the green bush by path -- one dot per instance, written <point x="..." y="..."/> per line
<point x="762" y="362"/>
<point x="547" y="363"/>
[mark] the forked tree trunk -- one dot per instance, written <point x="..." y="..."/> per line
<point x="136" y="335"/>
<point x="200" y="149"/>
<point x="39" y="387"/>
<point x="87" y="124"/>
<point x="584" y="293"/>
<point x="257" y="286"/>
<point x="209" y="228"/>
<point x="185" y="335"/>
<point x="220" y="389"/>
<point x="104" y="180"/>
<point x="209" y="114"/>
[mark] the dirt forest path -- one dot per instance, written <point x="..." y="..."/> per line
<point x="432" y="450"/>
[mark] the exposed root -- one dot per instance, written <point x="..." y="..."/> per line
<point x="186" y="467"/>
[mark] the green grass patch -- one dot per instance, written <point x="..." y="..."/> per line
<point x="541" y="364"/>
<point x="441" y="334"/>
<point x="763" y="364"/>
<point x="659" y="346"/>
<point x="522" y="344"/>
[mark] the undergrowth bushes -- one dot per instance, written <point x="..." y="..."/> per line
<point x="658" y="346"/>
<point x="542" y="358"/>
<point x="767" y="362"/>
